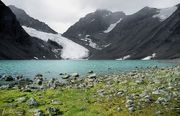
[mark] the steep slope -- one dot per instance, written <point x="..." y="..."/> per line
<point x="91" y="30"/>
<point x="15" y="43"/>
<point x="26" y="20"/>
<point x="70" y="50"/>
<point x="148" y="34"/>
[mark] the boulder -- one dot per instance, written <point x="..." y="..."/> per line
<point x="92" y="76"/>
<point x="38" y="112"/>
<point x="21" y="99"/>
<point x="32" y="102"/>
<point x="53" y="111"/>
<point x="75" y="75"/>
<point x="66" y="76"/>
<point x="7" y="78"/>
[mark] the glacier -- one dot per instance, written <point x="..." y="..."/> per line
<point x="71" y="50"/>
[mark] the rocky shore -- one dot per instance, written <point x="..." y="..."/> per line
<point x="154" y="91"/>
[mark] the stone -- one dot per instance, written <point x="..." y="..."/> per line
<point x="61" y="74"/>
<point x="75" y="75"/>
<point x="131" y="109"/>
<point x="39" y="76"/>
<point x="21" y="99"/>
<point x="120" y="94"/>
<point x="7" y="78"/>
<point x="92" y="76"/>
<point x="118" y="109"/>
<point x="83" y="108"/>
<point x="66" y="76"/>
<point x="53" y="111"/>
<point x="38" y="112"/>
<point x="139" y="81"/>
<point x="161" y="100"/>
<point x="56" y="102"/>
<point x="90" y="72"/>
<point x="20" y="112"/>
<point x="39" y="82"/>
<point x="32" y="102"/>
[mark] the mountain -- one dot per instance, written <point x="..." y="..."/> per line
<point x="26" y="20"/>
<point x="15" y="43"/>
<point x="59" y="45"/>
<point x="91" y="30"/>
<point x="148" y="34"/>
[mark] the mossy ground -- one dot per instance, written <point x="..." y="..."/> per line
<point x="86" y="102"/>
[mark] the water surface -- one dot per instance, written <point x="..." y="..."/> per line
<point x="52" y="68"/>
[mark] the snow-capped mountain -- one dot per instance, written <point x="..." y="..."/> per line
<point x="35" y="28"/>
<point x="148" y="34"/>
<point x="26" y="20"/>
<point x="70" y="49"/>
<point x="15" y="43"/>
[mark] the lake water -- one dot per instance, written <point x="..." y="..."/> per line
<point x="52" y="68"/>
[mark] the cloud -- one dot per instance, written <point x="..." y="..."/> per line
<point x="60" y="14"/>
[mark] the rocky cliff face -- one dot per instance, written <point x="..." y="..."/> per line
<point x="15" y="43"/>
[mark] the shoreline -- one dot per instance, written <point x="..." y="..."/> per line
<point x="154" y="91"/>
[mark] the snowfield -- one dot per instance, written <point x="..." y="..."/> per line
<point x="112" y="26"/>
<point x="150" y="57"/>
<point x="165" y="13"/>
<point x="71" y="50"/>
<point x="125" y="57"/>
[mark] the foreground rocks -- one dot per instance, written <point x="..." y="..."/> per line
<point x="154" y="90"/>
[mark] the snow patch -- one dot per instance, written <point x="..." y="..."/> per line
<point x="125" y="57"/>
<point x="150" y="57"/>
<point x="90" y="42"/>
<point x="165" y="13"/>
<point x="112" y="26"/>
<point x="36" y="58"/>
<point x="71" y="50"/>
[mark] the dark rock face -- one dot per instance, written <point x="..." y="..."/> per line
<point x="93" y="25"/>
<point x="138" y="35"/>
<point x="15" y="43"/>
<point x="141" y="35"/>
<point x="26" y="20"/>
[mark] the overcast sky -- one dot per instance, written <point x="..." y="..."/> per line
<point x="60" y="14"/>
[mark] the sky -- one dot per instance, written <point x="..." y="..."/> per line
<point x="61" y="14"/>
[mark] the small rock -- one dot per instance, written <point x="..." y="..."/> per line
<point x="140" y="81"/>
<point x="66" y="76"/>
<point x="61" y="74"/>
<point x="118" y="109"/>
<point x="21" y="99"/>
<point x="32" y="102"/>
<point x="75" y="75"/>
<point x="92" y="76"/>
<point x="161" y="100"/>
<point x="7" y="78"/>
<point x="20" y="112"/>
<point x="38" y="112"/>
<point x="90" y="72"/>
<point x="131" y="109"/>
<point x="83" y="108"/>
<point x="53" y="111"/>
<point x="158" y="112"/>
<point x="39" y="76"/>
<point x="56" y="102"/>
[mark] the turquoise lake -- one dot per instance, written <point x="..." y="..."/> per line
<point x="52" y="68"/>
